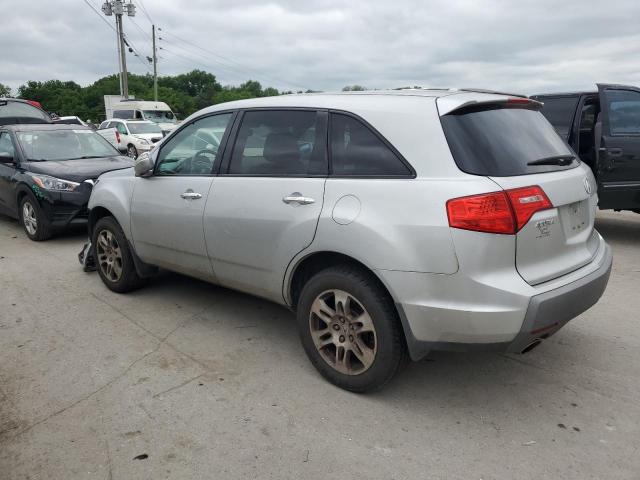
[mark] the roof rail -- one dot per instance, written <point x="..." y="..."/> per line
<point x="484" y="90"/>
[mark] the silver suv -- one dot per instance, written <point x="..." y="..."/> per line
<point x="392" y="223"/>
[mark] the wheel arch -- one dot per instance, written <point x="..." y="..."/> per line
<point x="307" y="266"/>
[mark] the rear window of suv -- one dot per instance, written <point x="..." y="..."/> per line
<point x="501" y="141"/>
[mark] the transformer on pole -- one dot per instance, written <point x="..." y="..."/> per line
<point x="119" y="8"/>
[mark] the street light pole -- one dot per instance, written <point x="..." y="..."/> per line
<point x="155" y="65"/>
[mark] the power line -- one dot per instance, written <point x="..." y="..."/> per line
<point x="99" y="15"/>
<point x="145" y="11"/>
<point x="244" y="67"/>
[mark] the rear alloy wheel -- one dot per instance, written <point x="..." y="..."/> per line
<point x="343" y="332"/>
<point x="350" y="329"/>
<point x="132" y="152"/>
<point x="113" y="257"/>
<point x="33" y="220"/>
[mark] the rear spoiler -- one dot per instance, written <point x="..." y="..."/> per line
<point x="453" y="103"/>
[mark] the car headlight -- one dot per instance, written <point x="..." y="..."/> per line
<point x="143" y="141"/>
<point x="54" y="184"/>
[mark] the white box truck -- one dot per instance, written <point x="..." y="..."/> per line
<point x="131" y="109"/>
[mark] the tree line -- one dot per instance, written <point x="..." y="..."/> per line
<point x="185" y="93"/>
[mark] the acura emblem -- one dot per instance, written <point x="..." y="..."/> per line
<point x="587" y="185"/>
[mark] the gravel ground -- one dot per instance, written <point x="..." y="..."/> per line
<point x="186" y="380"/>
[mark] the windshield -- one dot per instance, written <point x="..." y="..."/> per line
<point x="141" y="128"/>
<point x="159" y="116"/>
<point x="502" y="142"/>
<point x="39" y="145"/>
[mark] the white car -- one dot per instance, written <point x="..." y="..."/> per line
<point x="131" y="136"/>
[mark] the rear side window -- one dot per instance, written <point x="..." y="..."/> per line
<point x="10" y="109"/>
<point x="500" y="142"/>
<point x="279" y="143"/>
<point x="126" y="114"/>
<point x="357" y="151"/>
<point x="560" y="111"/>
<point x="624" y="112"/>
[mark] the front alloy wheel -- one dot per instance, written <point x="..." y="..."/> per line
<point x="132" y="152"/>
<point x="29" y="218"/>
<point x="109" y="255"/>
<point x="343" y="332"/>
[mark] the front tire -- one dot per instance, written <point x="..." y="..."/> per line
<point x="350" y="329"/>
<point x="34" y="222"/>
<point x="132" y="152"/>
<point x="113" y="257"/>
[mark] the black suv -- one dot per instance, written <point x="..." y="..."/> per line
<point x="47" y="171"/>
<point x="603" y="127"/>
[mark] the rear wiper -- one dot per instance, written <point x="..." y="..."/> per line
<point x="554" y="160"/>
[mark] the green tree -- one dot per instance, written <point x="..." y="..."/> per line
<point x="5" y="91"/>
<point x="353" y="88"/>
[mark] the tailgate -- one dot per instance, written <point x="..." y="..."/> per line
<point x="557" y="241"/>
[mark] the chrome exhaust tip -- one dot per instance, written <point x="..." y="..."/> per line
<point x="531" y="346"/>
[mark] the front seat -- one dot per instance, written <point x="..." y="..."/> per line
<point x="282" y="155"/>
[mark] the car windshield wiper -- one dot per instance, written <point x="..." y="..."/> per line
<point x="86" y="156"/>
<point x="554" y="160"/>
<point x="37" y="160"/>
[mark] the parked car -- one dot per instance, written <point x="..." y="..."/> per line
<point x="47" y="171"/>
<point x="132" y="136"/>
<point x="16" y="111"/>
<point x="157" y="112"/>
<point x="603" y="127"/>
<point x="72" y="120"/>
<point x="391" y="222"/>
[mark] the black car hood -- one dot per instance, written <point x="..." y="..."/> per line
<point x="81" y="169"/>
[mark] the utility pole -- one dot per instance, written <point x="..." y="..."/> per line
<point x="118" y="8"/>
<point x="155" y="64"/>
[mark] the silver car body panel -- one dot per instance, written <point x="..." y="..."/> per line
<point x="451" y="286"/>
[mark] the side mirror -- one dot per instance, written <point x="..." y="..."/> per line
<point x="6" y="158"/>
<point x="144" y="165"/>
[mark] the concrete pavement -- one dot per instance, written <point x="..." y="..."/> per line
<point x="185" y="380"/>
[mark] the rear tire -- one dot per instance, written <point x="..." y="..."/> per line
<point x="350" y="329"/>
<point x="33" y="219"/>
<point x="113" y="257"/>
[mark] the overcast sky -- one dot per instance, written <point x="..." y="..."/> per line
<point x="521" y="46"/>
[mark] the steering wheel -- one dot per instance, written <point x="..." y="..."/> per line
<point x="201" y="162"/>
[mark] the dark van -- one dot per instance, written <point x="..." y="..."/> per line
<point x="603" y="128"/>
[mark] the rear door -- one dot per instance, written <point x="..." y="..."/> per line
<point x="619" y="150"/>
<point x="516" y="147"/>
<point x="264" y="206"/>
<point x="167" y="208"/>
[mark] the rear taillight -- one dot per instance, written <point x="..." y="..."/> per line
<point x="497" y="212"/>
<point x="527" y="201"/>
<point x="117" y="136"/>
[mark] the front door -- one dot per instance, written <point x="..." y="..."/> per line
<point x="618" y="169"/>
<point x="167" y="208"/>
<point x="7" y="174"/>
<point x="264" y="207"/>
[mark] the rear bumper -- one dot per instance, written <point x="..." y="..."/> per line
<point x="501" y="313"/>
<point x="549" y="312"/>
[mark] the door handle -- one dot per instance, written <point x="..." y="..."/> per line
<point x="615" y="152"/>
<point x="297" y="197"/>
<point x="191" y="195"/>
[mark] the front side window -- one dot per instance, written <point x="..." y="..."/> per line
<point x="160" y="116"/>
<point x="195" y="149"/>
<point x="6" y="145"/>
<point x="357" y="151"/>
<point x="41" y="145"/>
<point x="279" y="143"/>
<point x="624" y="112"/>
